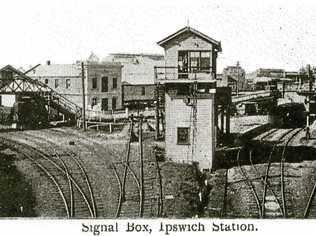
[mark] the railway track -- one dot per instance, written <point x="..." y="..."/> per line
<point x="69" y="161"/>
<point x="266" y="188"/>
<point x="129" y="205"/>
<point x="275" y="205"/>
<point x="61" y="168"/>
<point x="137" y="190"/>
<point x="131" y="199"/>
<point x="115" y="180"/>
<point x="249" y="184"/>
<point x="310" y="208"/>
<point x="268" y="134"/>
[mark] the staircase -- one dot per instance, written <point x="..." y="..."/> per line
<point x="17" y="83"/>
<point x="63" y="105"/>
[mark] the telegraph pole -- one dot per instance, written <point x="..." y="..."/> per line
<point x="237" y="90"/>
<point x="310" y="87"/>
<point x="141" y="174"/>
<point x="83" y="97"/>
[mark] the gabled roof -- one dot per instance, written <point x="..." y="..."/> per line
<point x="11" y="68"/>
<point x="193" y="31"/>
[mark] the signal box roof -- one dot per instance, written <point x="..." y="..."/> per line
<point x="187" y="29"/>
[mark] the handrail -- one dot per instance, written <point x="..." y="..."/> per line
<point x="188" y="73"/>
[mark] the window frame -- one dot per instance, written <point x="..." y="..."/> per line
<point x="56" y="83"/>
<point x="187" y="141"/>
<point x="106" y="88"/>
<point x="114" y="84"/>
<point x="94" y="82"/>
<point x="143" y="91"/>
<point x="94" y="101"/>
<point x="68" y="83"/>
<point x="114" y="102"/>
<point x="102" y="104"/>
<point x="198" y="58"/>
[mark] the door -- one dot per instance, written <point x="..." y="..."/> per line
<point x="104" y="104"/>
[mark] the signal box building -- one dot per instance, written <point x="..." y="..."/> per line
<point x="190" y="86"/>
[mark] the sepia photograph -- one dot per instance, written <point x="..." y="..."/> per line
<point x="158" y="110"/>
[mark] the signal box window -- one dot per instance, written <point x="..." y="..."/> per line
<point x="205" y="61"/>
<point x="193" y="61"/>
<point x="183" y="136"/>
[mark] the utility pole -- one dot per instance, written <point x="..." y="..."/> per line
<point x="237" y="83"/>
<point x="157" y="111"/>
<point x="310" y="87"/>
<point x="83" y="97"/>
<point x="141" y="174"/>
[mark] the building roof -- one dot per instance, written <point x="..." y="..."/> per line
<point x="263" y="79"/>
<point x="11" y="68"/>
<point x="130" y="56"/>
<point x="56" y="70"/>
<point x="193" y="31"/>
<point x="63" y="70"/>
<point x="137" y="68"/>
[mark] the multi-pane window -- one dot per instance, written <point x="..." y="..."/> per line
<point x="114" y="103"/>
<point x="205" y="60"/>
<point x="67" y="83"/>
<point x="104" y="84"/>
<point x="56" y="83"/>
<point x="194" y="61"/>
<point x="183" y="135"/>
<point x="114" y="83"/>
<point x="94" y="83"/>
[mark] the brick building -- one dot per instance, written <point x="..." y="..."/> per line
<point x="102" y="83"/>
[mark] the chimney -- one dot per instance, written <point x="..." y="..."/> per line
<point x="48" y="62"/>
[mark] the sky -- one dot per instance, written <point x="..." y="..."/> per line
<point x="259" y="34"/>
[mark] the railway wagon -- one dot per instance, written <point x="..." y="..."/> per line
<point x="289" y="115"/>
